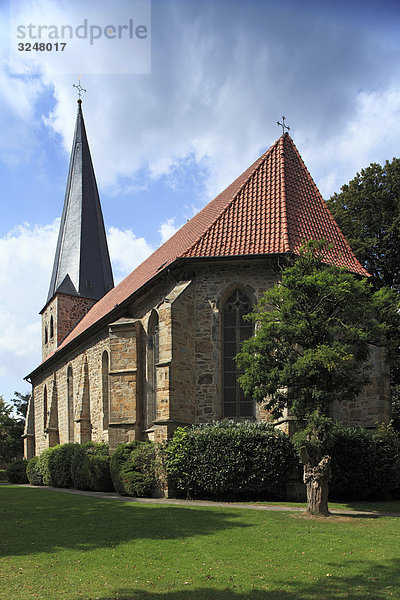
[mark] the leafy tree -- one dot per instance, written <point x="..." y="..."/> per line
<point x="11" y="430"/>
<point x="368" y="212"/>
<point x="310" y="348"/>
<point x="20" y="402"/>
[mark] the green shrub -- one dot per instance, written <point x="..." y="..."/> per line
<point x="98" y="467"/>
<point x="16" y="471"/>
<point x="55" y="465"/>
<point x="79" y="474"/>
<point x="3" y="475"/>
<point x="229" y="460"/>
<point x="353" y="463"/>
<point x="119" y="458"/>
<point x="84" y="467"/>
<point x="365" y="465"/>
<point x="90" y="468"/>
<point x="43" y="466"/>
<point x="387" y="461"/>
<point x="33" y="472"/>
<point x="99" y="473"/>
<point x="135" y="469"/>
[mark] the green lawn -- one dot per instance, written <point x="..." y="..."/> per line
<point x="55" y="545"/>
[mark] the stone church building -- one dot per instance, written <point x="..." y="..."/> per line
<point x="137" y="360"/>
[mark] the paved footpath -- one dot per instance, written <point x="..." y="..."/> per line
<point x="206" y="503"/>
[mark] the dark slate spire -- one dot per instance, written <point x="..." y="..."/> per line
<point x="82" y="264"/>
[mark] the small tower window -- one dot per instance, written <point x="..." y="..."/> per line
<point x="46" y="335"/>
<point x="51" y="327"/>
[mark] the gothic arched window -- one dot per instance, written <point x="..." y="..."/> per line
<point x="104" y="388"/>
<point x="51" y="327"/>
<point x="45" y="407"/>
<point x="150" y="411"/>
<point x="234" y="331"/>
<point x="46" y="337"/>
<point x="70" y="403"/>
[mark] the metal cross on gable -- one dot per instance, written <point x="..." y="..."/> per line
<point x="283" y="124"/>
<point x="79" y="88"/>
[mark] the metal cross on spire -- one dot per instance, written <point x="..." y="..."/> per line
<point x="79" y="88"/>
<point x="283" y="124"/>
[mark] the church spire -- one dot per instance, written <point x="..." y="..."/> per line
<point x="82" y="264"/>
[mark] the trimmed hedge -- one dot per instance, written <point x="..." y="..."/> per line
<point x="353" y="463"/>
<point x="85" y="467"/>
<point x="16" y="471"/>
<point x="230" y="461"/>
<point x="33" y="472"/>
<point x="135" y="469"/>
<point x="90" y="468"/>
<point x="222" y="461"/>
<point x="365" y="465"/>
<point x="387" y="453"/>
<point x="55" y="465"/>
<point x="78" y="468"/>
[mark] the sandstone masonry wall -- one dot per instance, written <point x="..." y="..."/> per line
<point x="188" y="372"/>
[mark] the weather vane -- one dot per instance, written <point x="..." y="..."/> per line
<point x="79" y="87"/>
<point x="281" y="124"/>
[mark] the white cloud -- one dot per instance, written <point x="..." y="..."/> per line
<point x="26" y="257"/>
<point x="167" y="229"/>
<point x="215" y="93"/>
<point x="26" y="260"/>
<point x="371" y="136"/>
<point x="18" y="97"/>
<point x="127" y="251"/>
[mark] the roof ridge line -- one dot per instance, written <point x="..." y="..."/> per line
<point x="259" y="162"/>
<point x="286" y="241"/>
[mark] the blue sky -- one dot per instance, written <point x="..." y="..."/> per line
<point x="166" y="141"/>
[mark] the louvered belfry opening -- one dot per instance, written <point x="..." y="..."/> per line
<point x="234" y="331"/>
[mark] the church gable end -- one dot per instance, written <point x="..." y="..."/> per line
<point x="157" y="351"/>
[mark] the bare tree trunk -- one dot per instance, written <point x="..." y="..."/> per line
<point x="316" y="477"/>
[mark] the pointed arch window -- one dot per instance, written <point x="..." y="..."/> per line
<point x="46" y="336"/>
<point x="70" y="403"/>
<point x="105" y="369"/>
<point x="51" y="327"/>
<point x="234" y="331"/>
<point x="45" y="407"/>
<point x="150" y="411"/>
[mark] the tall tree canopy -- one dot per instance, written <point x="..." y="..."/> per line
<point x="312" y="342"/>
<point x="12" y="427"/>
<point x="312" y="336"/>
<point x="368" y="212"/>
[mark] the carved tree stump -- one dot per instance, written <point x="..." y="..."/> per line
<point x="316" y="477"/>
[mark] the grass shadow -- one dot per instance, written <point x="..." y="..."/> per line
<point x="47" y="521"/>
<point x="372" y="581"/>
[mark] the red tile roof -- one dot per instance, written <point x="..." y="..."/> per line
<point x="275" y="211"/>
<point x="272" y="208"/>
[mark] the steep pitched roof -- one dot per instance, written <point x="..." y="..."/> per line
<point x="275" y="211"/>
<point x="82" y="264"/>
<point x="272" y="208"/>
